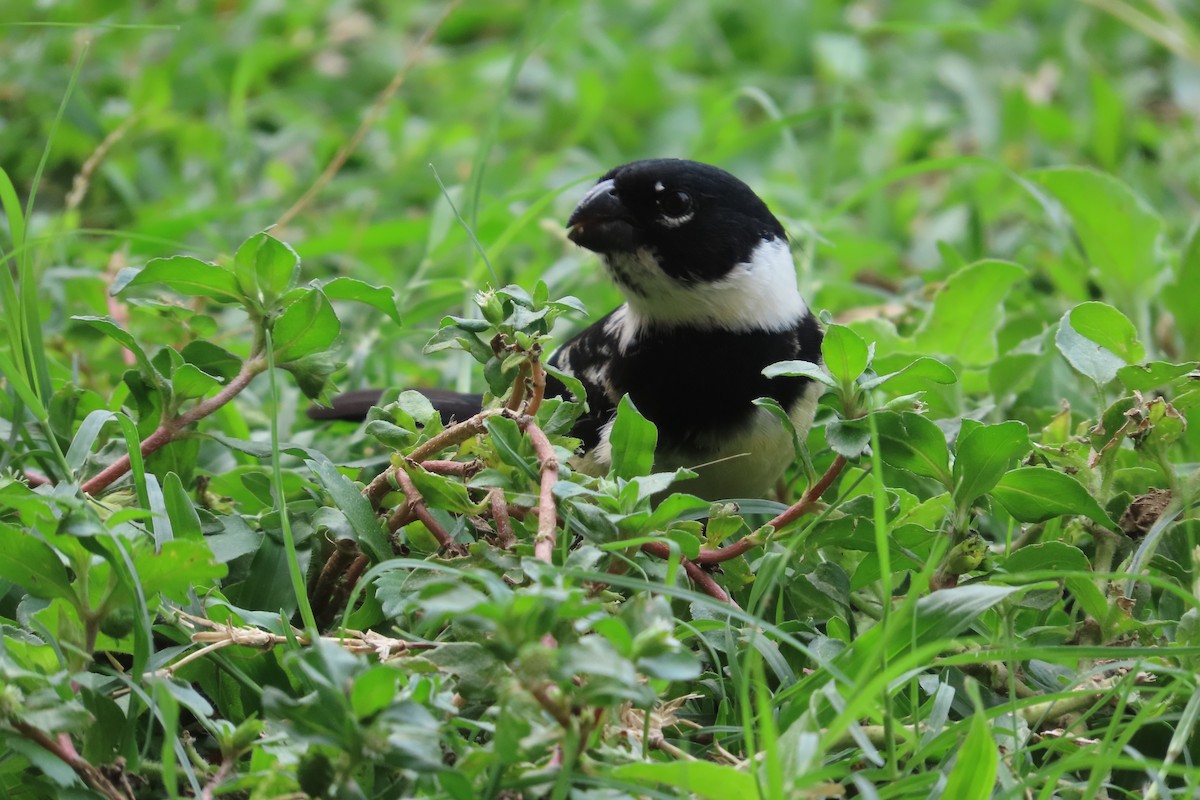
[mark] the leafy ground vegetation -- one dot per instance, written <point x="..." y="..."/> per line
<point x="981" y="578"/>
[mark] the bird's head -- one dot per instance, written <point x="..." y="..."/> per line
<point x="684" y="240"/>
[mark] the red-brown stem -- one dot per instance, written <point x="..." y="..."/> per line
<point x="554" y="708"/>
<point x="401" y="516"/>
<point x="701" y="578"/>
<point x="35" y="479"/>
<point x="810" y="498"/>
<point x="505" y="538"/>
<point x="377" y="489"/>
<point x="460" y="469"/>
<point x="798" y="509"/>
<point x="543" y="543"/>
<point x="539" y="387"/>
<point x="417" y="503"/>
<point x="518" y="388"/>
<point x="63" y="749"/>
<point x="222" y="772"/>
<point x="171" y="428"/>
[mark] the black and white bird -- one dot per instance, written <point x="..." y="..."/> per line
<point x="711" y="300"/>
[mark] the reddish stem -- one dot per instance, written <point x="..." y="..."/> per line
<point x="539" y="388"/>
<point x="798" y="509"/>
<point x="505" y="538"/>
<point x="169" y="429"/>
<point x="64" y="749"/>
<point x="701" y="578"/>
<point x="543" y="543"/>
<point x="377" y="489"/>
<point x="417" y="503"/>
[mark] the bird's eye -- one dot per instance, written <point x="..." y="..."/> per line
<point x="674" y="204"/>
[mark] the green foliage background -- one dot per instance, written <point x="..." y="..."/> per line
<point x="996" y="204"/>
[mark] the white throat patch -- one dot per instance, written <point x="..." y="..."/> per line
<point x="759" y="294"/>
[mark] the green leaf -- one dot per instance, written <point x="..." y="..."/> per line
<point x="188" y="276"/>
<point x="189" y="381"/>
<point x="800" y="369"/>
<point x="33" y="565"/>
<point x="176" y="568"/>
<point x="967" y="312"/>
<point x="306" y="326"/>
<point x="698" y="778"/>
<point x="848" y="437"/>
<point x="921" y="370"/>
<point x="912" y="442"/>
<point x="348" y="497"/>
<point x="1036" y="494"/>
<point x="112" y="330"/>
<point x="973" y="776"/>
<point x="1144" y="377"/>
<point x="380" y="297"/>
<point x="1090" y="359"/>
<point x="212" y="359"/>
<point x="844" y="353"/>
<point x="265" y="268"/>
<point x="443" y="492"/>
<point x="633" y="439"/>
<point x="1117" y="230"/>
<point x="982" y="456"/>
<point x="1108" y="328"/>
<point x="185" y="522"/>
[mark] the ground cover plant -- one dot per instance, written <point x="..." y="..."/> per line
<point x="980" y="578"/>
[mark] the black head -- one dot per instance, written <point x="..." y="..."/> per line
<point x="695" y="220"/>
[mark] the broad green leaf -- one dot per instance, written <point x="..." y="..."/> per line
<point x="442" y="492"/>
<point x="112" y="330"/>
<point x="189" y="381"/>
<point x="848" y="437"/>
<point x="920" y="371"/>
<point x="265" y="268"/>
<point x="1117" y="230"/>
<point x="633" y="439"/>
<point x="983" y="454"/>
<point x="1092" y="360"/>
<point x="211" y="358"/>
<point x="380" y="297"/>
<point x="967" y="312"/>
<point x="1036" y="494"/>
<point x="912" y="442"/>
<point x="188" y="276"/>
<point x="31" y="564"/>
<point x="1144" y="377"/>
<point x="185" y="522"/>
<point x="176" y="568"/>
<point x="1068" y="560"/>
<point x="306" y="326"/>
<point x="348" y="497"/>
<point x="948" y="612"/>
<point x="973" y="776"/>
<point x="844" y="352"/>
<point x="1108" y="328"/>
<point x="699" y="778"/>
<point x="800" y="369"/>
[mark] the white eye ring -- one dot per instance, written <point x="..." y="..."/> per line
<point x="675" y="207"/>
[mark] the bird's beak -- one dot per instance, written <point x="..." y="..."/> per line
<point x="601" y="222"/>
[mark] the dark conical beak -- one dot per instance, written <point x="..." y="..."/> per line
<point x="601" y="222"/>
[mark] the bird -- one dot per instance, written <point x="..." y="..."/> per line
<point x="711" y="300"/>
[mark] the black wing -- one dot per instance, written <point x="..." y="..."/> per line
<point x="353" y="406"/>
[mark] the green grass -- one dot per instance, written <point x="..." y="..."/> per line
<point x="996" y="205"/>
